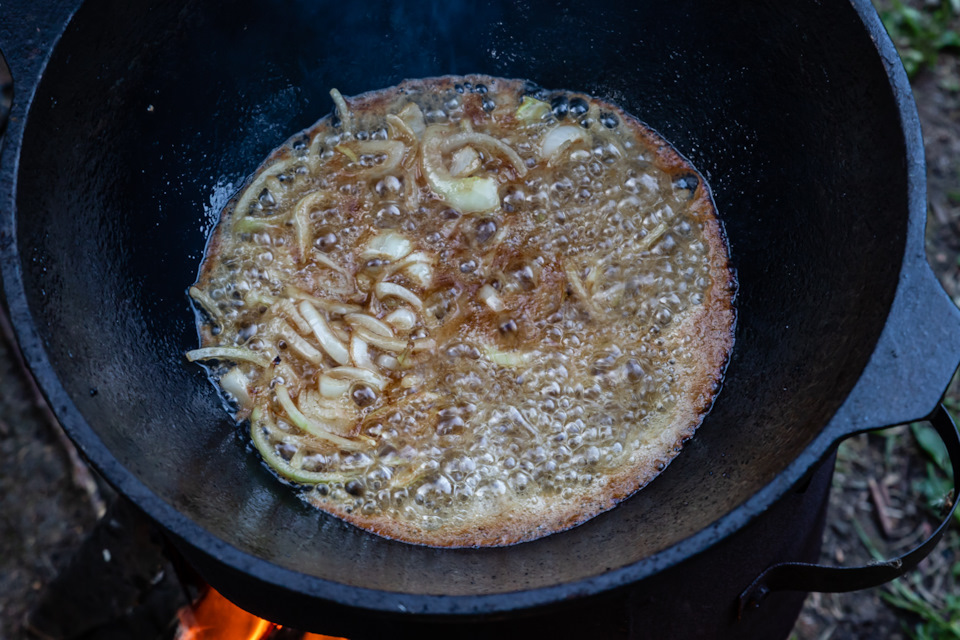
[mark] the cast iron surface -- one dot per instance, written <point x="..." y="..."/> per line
<point x="798" y="113"/>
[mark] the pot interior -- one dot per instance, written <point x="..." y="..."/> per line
<point x="149" y="115"/>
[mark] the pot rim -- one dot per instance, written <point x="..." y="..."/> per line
<point x="846" y="421"/>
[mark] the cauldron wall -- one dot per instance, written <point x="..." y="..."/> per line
<point x="170" y="105"/>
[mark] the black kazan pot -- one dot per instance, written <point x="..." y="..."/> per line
<point x="130" y="117"/>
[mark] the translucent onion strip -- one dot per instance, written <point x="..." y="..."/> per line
<point x="368" y="322"/>
<point x="402" y="319"/>
<point x="469" y="195"/>
<point x="388" y="362"/>
<point x="265" y="178"/>
<point x="417" y="266"/>
<point x="205" y="301"/>
<point x="559" y="139"/>
<point x="330" y="306"/>
<point x="507" y="358"/>
<point x="286" y="308"/>
<point x="309" y="426"/>
<point x="412" y="116"/>
<point x="424" y="344"/>
<point x="573" y="277"/>
<point x="400" y="129"/>
<point x="465" y="161"/>
<point x="331" y="387"/>
<point x="489" y="296"/>
<point x="382" y="342"/>
<point x="329" y="342"/>
<point x="648" y="241"/>
<point x="301" y="346"/>
<point x="390" y="289"/>
<point x="258" y="433"/>
<point x="234" y="382"/>
<point x="256" y="297"/>
<point x="236" y="354"/>
<point x="301" y="220"/>
<point x="366" y="376"/>
<point x="343" y="111"/>
<point x="389" y="244"/>
<point x="420" y="273"/>
<point x="360" y="353"/>
<point x="532" y="110"/>
<point x="392" y="149"/>
<point x="249" y="224"/>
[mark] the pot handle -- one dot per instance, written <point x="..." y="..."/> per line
<point x="798" y="576"/>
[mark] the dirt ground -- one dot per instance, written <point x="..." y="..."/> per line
<point x="48" y="500"/>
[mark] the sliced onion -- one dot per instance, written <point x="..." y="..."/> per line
<point x="391" y="290"/>
<point x="360" y="353"/>
<point x="424" y="344"/>
<point x="366" y="376"/>
<point x="258" y="433"/>
<point x="465" y="161"/>
<point x="421" y="273"/>
<point x="411" y="380"/>
<point x="205" y="301"/>
<point x="329" y="342"/>
<point x="236" y="354"/>
<point x="338" y="415"/>
<point x="330" y="306"/>
<point x="507" y="358"/>
<point x="249" y="224"/>
<point x="611" y="296"/>
<point x="310" y="426"/>
<point x="382" y="342"/>
<point x="265" y="179"/>
<point x="340" y="330"/>
<point x="413" y="117"/>
<point x="389" y="244"/>
<point x="394" y="151"/>
<point x="343" y="111"/>
<point x="573" y="277"/>
<point x="290" y="312"/>
<point x="369" y="323"/>
<point x="347" y="151"/>
<point x="400" y="128"/>
<point x="532" y="110"/>
<point x="648" y="241"/>
<point x="331" y="387"/>
<point x="417" y="265"/>
<point x="559" y="138"/>
<point x="402" y="319"/>
<point x="388" y="362"/>
<point x="301" y="346"/>
<point x="482" y="141"/>
<point x="489" y="296"/>
<point x="234" y="382"/>
<point x="255" y="297"/>
<point x="469" y="195"/>
<point x="301" y="220"/>
<point x="330" y="264"/>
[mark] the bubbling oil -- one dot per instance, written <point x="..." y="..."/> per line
<point x="549" y="323"/>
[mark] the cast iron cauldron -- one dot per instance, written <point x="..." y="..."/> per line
<point x="129" y="118"/>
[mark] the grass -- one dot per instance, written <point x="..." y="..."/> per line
<point x="932" y="612"/>
<point x="921" y="34"/>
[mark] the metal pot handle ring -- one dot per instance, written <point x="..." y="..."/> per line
<point x="799" y="576"/>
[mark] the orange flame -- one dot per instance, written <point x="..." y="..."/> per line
<point x="214" y="617"/>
